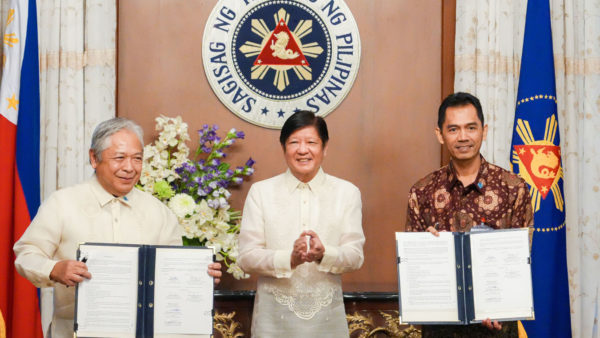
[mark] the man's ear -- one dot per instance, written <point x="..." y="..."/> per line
<point x="438" y="134"/>
<point x="93" y="159"/>
<point x="485" y="129"/>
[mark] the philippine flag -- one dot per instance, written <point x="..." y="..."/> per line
<point x="19" y="163"/>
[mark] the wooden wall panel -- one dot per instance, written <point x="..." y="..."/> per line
<point x="381" y="135"/>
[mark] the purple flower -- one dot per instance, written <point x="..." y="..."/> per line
<point x="190" y="168"/>
<point x="206" y="134"/>
<point x="210" y="177"/>
<point x="233" y="133"/>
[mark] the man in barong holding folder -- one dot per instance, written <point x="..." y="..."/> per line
<point x="106" y="208"/>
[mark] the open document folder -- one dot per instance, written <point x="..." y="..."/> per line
<point x="144" y="291"/>
<point x="463" y="278"/>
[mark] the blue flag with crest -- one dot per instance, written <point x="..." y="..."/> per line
<point x="536" y="157"/>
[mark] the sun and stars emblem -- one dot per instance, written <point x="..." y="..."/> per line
<point x="11" y="40"/>
<point x="539" y="162"/>
<point x="267" y="59"/>
<point x="281" y="50"/>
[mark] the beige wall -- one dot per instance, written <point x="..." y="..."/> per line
<point x="381" y="135"/>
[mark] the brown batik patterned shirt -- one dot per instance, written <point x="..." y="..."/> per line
<point x="497" y="197"/>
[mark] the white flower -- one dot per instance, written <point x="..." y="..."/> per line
<point x="236" y="271"/>
<point x="182" y="205"/>
<point x="223" y="215"/>
<point x="188" y="231"/>
<point x="205" y="212"/>
<point x="234" y="253"/>
<point x="223" y="203"/>
<point x="216" y="244"/>
<point x="222" y="226"/>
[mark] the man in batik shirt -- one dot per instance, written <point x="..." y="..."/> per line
<point x="467" y="192"/>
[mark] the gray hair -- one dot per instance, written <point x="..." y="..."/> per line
<point x="103" y="132"/>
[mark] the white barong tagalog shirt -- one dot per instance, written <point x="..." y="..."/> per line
<point x="306" y="301"/>
<point x="87" y="213"/>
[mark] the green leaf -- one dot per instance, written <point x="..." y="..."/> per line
<point x="192" y="241"/>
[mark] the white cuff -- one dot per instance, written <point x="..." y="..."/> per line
<point x="329" y="258"/>
<point x="46" y="270"/>
<point x="282" y="263"/>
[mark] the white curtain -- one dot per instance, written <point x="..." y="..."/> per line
<point x="77" y="45"/>
<point x="489" y="42"/>
<point x="489" y="39"/>
<point x="77" y="49"/>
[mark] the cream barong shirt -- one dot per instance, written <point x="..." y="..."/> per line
<point x="306" y="301"/>
<point x="87" y="213"/>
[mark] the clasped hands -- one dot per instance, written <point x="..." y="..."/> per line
<point x="71" y="272"/>
<point x="307" y="248"/>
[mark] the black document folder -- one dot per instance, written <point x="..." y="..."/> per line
<point x="144" y="291"/>
<point x="464" y="278"/>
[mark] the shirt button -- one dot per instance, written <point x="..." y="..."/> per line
<point x="116" y="219"/>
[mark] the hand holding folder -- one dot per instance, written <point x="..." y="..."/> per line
<point x="463" y="278"/>
<point x="145" y="291"/>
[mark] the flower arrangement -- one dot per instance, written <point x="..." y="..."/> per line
<point x="195" y="189"/>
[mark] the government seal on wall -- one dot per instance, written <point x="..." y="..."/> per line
<point x="266" y="59"/>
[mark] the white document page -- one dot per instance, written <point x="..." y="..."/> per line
<point x="107" y="303"/>
<point x="427" y="277"/>
<point x="183" y="292"/>
<point x="501" y="275"/>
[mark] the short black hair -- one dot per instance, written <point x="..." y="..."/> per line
<point x="301" y="119"/>
<point x="458" y="100"/>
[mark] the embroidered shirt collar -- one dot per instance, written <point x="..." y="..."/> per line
<point x="104" y="197"/>
<point x="292" y="183"/>
<point x="478" y="184"/>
